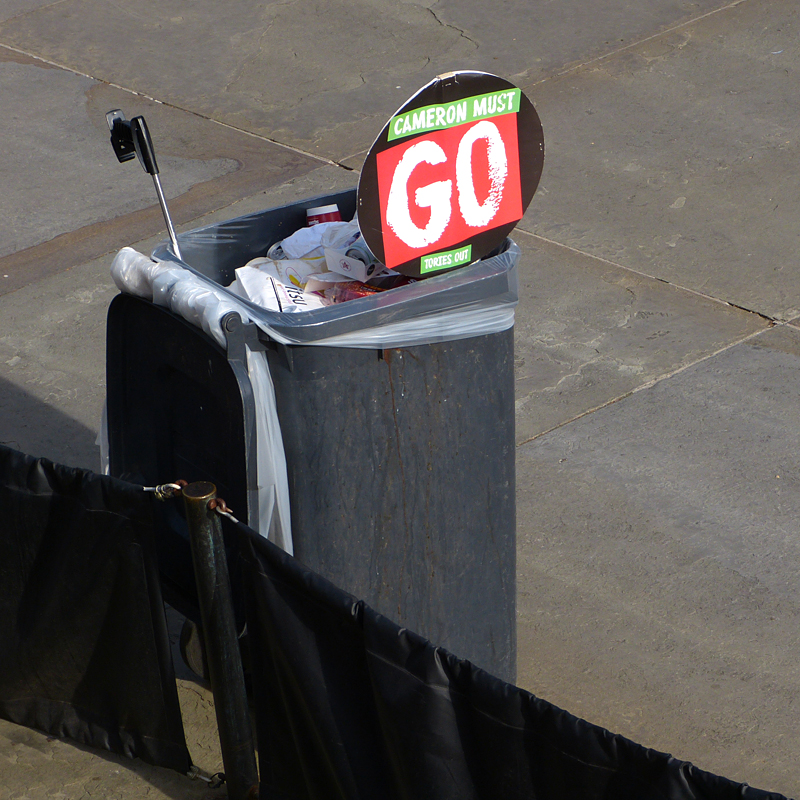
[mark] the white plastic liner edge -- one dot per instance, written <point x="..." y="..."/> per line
<point x="199" y="303"/>
<point x="204" y="303"/>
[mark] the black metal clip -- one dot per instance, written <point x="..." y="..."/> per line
<point x="238" y="334"/>
<point x="131" y="139"/>
<point x="121" y="135"/>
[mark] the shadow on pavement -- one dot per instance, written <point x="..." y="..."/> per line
<point x="41" y="430"/>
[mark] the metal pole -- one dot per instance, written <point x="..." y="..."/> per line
<point x="221" y="642"/>
<point x="165" y="211"/>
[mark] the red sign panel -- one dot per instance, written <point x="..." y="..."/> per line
<point x="441" y="189"/>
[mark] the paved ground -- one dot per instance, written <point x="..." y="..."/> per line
<point x="658" y="348"/>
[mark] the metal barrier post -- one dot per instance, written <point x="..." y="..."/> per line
<point x="221" y="642"/>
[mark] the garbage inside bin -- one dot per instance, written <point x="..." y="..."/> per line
<point x="260" y="282"/>
<point x="330" y="213"/>
<point x="302" y="272"/>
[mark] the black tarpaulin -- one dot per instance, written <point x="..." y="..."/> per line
<point x="84" y="650"/>
<point x="349" y="705"/>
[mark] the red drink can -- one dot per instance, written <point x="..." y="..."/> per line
<point x="351" y="290"/>
<point x="323" y="214"/>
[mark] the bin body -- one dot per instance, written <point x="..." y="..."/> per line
<point x="400" y="461"/>
<point x="401" y="478"/>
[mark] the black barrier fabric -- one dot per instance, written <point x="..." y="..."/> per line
<point x="84" y="649"/>
<point x="349" y="705"/>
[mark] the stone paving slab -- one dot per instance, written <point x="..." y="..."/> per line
<point x="52" y="340"/>
<point x="326" y="78"/>
<point x="68" y="200"/>
<point x="677" y="158"/>
<point x="36" y="767"/>
<point x="530" y="42"/>
<point x="52" y="366"/>
<point x="14" y="8"/>
<point x="588" y="332"/>
<point x="657" y="564"/>
<point x="62" y="165"/>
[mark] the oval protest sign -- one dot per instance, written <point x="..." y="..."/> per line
<point x="451" y="174"/>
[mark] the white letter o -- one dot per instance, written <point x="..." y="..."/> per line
<point x="475" y="214"/>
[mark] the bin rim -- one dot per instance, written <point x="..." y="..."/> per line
<point x="490" y="283"/>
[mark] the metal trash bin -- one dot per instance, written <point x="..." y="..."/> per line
<point x="400" y="460"/>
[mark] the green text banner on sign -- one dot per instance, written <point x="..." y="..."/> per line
<point x="448" y="115"/>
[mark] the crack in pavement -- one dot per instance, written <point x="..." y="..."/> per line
<point x="458" y="30"/>
<point x="573" y="68"/>
<point x="680" y="287"/>
<point x="651" y="383"/>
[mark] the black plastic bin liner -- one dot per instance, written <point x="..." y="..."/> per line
<point x="84" y="649"/>
<point x="350" y="705"/>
